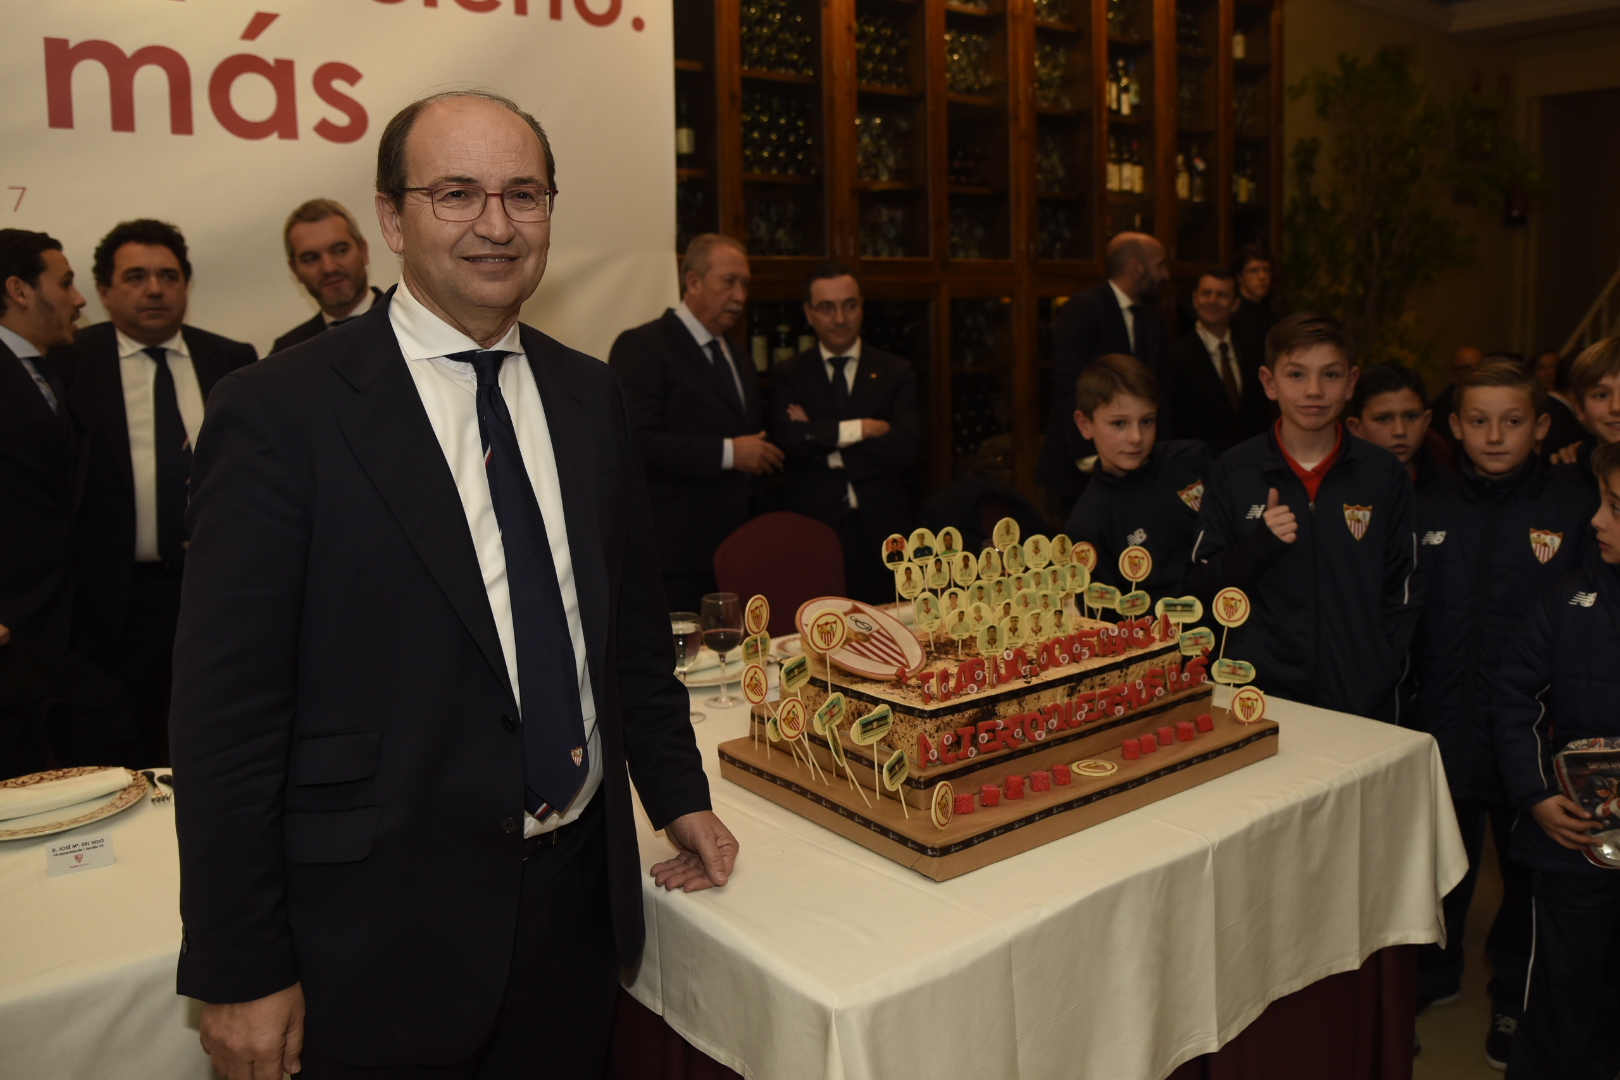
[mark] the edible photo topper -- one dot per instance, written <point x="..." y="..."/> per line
<point x="1012" y="559"/>
<point x="1197" y="642"/>
<point x="980" y="616"/>
<point x="990" y="640"/>
<point x="790" y="718"/>
<point x="1233" y="672"/>
<point x="965" y="569"/>
<point x="1037" y="551"/>
<point x="943" y="806"/>
<point x="908" y="580"/>
<point x="1231" y="607"/>
<point x="1084" y="554"/>
<point x="757" y="614"/>
<point x="939" y="573"/>
<point x="1006" y="533"/>
<point x="949" y="542"/>
<point x="1062" y="549"/>
<point x="756" y="649"/>
<point x="921" y="545"/>
<point x="894" y="550"/>
<point x="830" y="715"/>
<point x="1102" y="596"/>
<point x="926" y="607"/>
<point x="989" y="564"/>
<point x="1248" y="705"/>
<point x="796" y="673"/>
<point x="1134" y="603"/>
<point x="754" y="684"/>
<point x="1180" y="609"/>
<point x="827" y="631"/>
<point x="1135" y="564"/>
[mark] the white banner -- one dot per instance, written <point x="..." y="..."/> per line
<point x="221" y="118"/>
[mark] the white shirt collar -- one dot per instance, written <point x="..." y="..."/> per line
<point x="690" y="321"/>
<point x="827" y="354"/>
<point x="367" y="301"/>
<point x="423" y="335"/>
<point x="128" y="346"/>
<point x="20" y="346"/>
<point x="1211" y="342"/>
<point x="1125" y="302"/>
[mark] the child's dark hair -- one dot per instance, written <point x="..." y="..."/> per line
<point x="1107" y="377"/>
<point x="1385" y="379"/>
<point x="1304" y="330"/>
<point x="1501" y="373"/>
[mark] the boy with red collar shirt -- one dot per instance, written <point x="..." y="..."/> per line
<point x="1509" y="526"/>
<point x="1559" y="682"/>
<point x="1143" y="491"/>
<point x="1318" y="527"/>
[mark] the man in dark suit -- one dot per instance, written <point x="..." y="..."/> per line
<point x="1212" y="389"/>
<point x="1255" y="313"/>
<point x="50" y="698"/>
<point x="420" y="642"/>
<point x="698" y="416"/>
<point x="329" y="257"/>
<point x="846" y="416"/>
<point x="1119" y="316"/>
<point x="139" y="381"/>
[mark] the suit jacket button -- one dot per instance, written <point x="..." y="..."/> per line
<point x="510" y="825"/>
<point x="508" y="723"/>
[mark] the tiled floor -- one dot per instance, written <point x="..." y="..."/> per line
<point x="1453" y="1036"/>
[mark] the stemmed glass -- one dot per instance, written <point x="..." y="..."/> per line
<point x="688" y="643"/>
<point x="722" y="621"/>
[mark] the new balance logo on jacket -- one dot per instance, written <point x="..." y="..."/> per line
<point x="1583" y="599"/>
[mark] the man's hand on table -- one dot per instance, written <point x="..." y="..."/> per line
<point x="257" y="1040"/>
<point x="708" y="852"/>
<point x="1563" y="820"/>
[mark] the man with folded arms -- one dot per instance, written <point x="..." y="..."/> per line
<point x="417" y="650"/>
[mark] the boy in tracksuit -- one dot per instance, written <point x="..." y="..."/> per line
<point x="1559" y="682"/>
<point x="1594" y="383"/>
<point x="1142" y="491"/>
<point x="1318" y="527"/>
<point x="1509" y="526"/>
<point x="1390" y="409"/>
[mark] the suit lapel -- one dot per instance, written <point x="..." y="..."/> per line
<point x="698" y="358"/>
<point x="574" y="446"/>
<point x="820" y="400"/>
<point x="389" y="431"/>
<point x="209" y="367"/>
<point x="102" y="399"/>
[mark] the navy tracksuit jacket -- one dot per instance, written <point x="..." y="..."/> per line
<point x="1334" y="611"/>
<point x="1155" y="506"/>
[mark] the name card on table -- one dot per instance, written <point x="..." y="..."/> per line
<point x="75" y="855"/>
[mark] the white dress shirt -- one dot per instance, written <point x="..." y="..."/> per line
<point x="449" y="390"/>
<point x="138" y="371"/>
<point x="849" y="431"/>
<point x="1125" y="304"/>
<point x="1213" y="344"/>
<point x="367" y="299"/>
<point x="702" y="336"/>
<point x="24" y="350"/>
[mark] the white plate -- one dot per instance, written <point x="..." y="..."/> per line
<point x="70" y="817"/>
<point x="710" y="676"/>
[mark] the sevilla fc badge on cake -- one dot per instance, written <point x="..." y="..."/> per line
<point x="1358" y="518"/>
<point x="1545" y="544"/>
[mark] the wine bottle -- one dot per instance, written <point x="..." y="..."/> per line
<point x="1138" y="170"/>
<point x="1112" y="175"/>
<point x="784" y="344"/>
<point x="1113" y="89"/>
<point x="685" y="135"/>
<point x="1127" y="90"/>
<point x="1136" y="90"/>
<point x="1183" y="179"/>
<point x="1240" y="45"/>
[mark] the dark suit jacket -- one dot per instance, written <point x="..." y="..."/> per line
<point x="106" y="549"/>
<point x="885" y="389"/>
<point x="682" y="410"/>
<point x="42" y="463"/>
<point x="1195" y="398"/>
<point x="1090" y="325"/>
<point x="1251" y="322"/>
<point x="306" y="330"/>
<point x="339" y="692"/>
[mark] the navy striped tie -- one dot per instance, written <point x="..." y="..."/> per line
<point x="556" y="759"/>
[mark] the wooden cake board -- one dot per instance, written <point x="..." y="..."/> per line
<point x="991" y="834"/>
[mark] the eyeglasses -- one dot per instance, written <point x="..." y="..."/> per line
<point x="465" y="202"/>
<point x="827" y="308"/>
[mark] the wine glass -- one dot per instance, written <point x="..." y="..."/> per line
<point x="688" y="636"/>
<point x="722" y="622"/>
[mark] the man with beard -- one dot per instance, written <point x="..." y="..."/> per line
<point x="1119" y="316"/>
<point x="329" y="257"/>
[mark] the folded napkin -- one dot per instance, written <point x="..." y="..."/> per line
<point x="16" y="802"/>
<point x="708" y="658"/>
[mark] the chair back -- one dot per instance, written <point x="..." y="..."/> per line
<point x="788" y="558"/>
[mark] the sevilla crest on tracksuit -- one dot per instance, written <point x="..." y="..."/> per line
<point x="1545" y="544"/>
<point x="1358" y="518"/>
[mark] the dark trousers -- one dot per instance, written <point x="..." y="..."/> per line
<point x="55" y="702"/>
<point x="866" y="577"/>
<point x="556" y="1019"/>
<point x="1570" y="1028"/>
<point x="1508" y="945"/>
<point x="143" y="658"/>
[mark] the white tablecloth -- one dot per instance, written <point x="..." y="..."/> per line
<point x="87" y="959"/>
<point x="1120" y="951"/>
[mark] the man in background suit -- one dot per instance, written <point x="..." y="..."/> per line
<point x="1255" y="313"/>
<point x="420" y="642"/>
<point x="139" y="381"/>
<point x="1119" y="316"/>
<point x="1212" y="389"/>
<point x="846" y="416"/>
<point x="50" y="698"/>
<point x="698" y="416"/>
<point x="329" y="257"/>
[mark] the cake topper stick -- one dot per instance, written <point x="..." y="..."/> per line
<point x="1230" y="608"/>
<point x="826" y="633"/>
<point x="869" y="730"/>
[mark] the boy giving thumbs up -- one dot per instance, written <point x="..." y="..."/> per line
<point x="1317" y="527"/>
